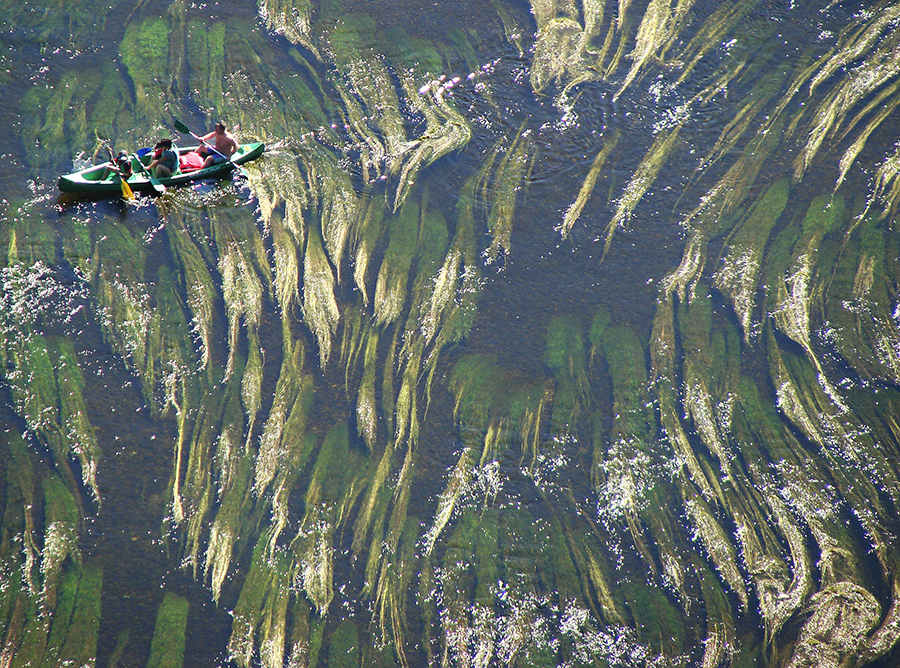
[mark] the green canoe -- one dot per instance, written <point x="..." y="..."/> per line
<point x="99" y="180"/>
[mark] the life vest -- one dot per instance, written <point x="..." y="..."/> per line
<point x="123" y="162"/>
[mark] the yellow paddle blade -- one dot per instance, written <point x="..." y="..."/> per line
<point x="126" y="189"/>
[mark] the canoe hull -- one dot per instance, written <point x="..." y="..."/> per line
<point x="90" y="181"/>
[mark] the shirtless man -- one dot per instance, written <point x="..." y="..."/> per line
<point x="225" y="144"/>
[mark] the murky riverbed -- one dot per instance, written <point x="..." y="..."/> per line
<point x="549" y="333"/>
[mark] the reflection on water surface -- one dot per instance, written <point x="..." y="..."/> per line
<point x="544" y="334"/>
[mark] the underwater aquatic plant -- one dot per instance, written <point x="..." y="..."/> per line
<point x="361" y="489"/>
<point x="167" y="647"/>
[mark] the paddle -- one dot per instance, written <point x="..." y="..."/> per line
<point x="126" y="189"/>
<point x="157" y="186"/>
<point x="181" y="127"/>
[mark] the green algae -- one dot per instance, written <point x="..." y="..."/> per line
<point x="170" y="351"/>
<point x="623" y="463"/>
<point x="248" y="611"/>
<point x="396" y="577"/>
<point x="292" y="18"/>
<point x="76" y="22"/>
<point x="319" y="304"/>
<point x="566" y="356"/>
<point x="764" y="91"/>
<point x="365" y="241"/>
<point x="556" y="564"/>
<point x="452" y="306"/>
<point x="351" y="36"/>
<point x="332" y="490"/>
<point x="249" y="87"/>
<point x="145" y="53"/>
<point x="857" y="299"/>
<point x="299" y="642"/>
<point x="457" y="581"/>
<point x="412" y="52"/>
<point x="119" y="650"/>
<point x="721" y="22"/>
<point x="62" y="615"/>
<point x="431" y="246"/>
<point x="117" y="269"/>
<point x="59" y="119"/>
<point x="475" y="379"/>
<point x="226" y="532"/>
<point x="868" y="49"/>
<point x="194" y="491"/>
<point x="29" y="239"/>
<point x="658" y="620"/>
<point x="642" y="179"/>
<point x="59" y="619"/>
<point x="344" y="646"/>
<point x="113" y="111"/>
<point x="17" y="548"/>
<point x="379" y="657"/>
<point x="720" y="632"/>
<point x="230" y="456"/>
<point x="393" y="275"/>
<point x="519" y="549"/>
<point x="205" y="53"/>
<point x="287" y="422"/>
<point x="272" y="630"/>
<point x="35" y="390"/>
<point x="33" y="640"/>
<point x="76" y="428"/>
<point x="317" y="635"/>
<point x="199" y="286"/>
<point x="701" y="371"/>
<point x="746" y="243"/>
<point x="625" y="361"/>
<point x="167" y="646"/>
<point x="720" y="204"/>
<point x="587" y="187"/>
<point x="304" y="101"/>
<point x="80" y="645"/>
<point x="487" y="558"/>
<point x="597" y="581"/>
<point x="62" y="518"/>
<point x="713" y="417"/>
<point x="537" y="657"/>
<point x="514" y="167"/>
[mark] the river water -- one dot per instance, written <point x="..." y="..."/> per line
<point x="548" y="333"/>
